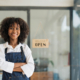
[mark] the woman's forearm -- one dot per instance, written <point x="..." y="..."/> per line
<point x="16" y="65"/>
<point x="18" y="69"/>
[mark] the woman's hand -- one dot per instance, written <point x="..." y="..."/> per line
<point x="18" y="64"/>
<point x="18" y="69"/>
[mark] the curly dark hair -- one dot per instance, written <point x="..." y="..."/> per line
<point x="7" y="22"/>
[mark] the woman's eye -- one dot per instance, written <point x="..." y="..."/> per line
<point x="11" y="28"/>
<point x="17" y="28"/>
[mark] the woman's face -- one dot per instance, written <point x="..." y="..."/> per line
<point x="14" y="31"/>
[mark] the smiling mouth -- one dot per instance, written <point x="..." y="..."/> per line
<point x="14" y="34"/>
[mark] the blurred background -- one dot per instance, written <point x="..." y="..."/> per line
<point x="58" y="22"/>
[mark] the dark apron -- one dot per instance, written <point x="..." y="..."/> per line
<point x="14" y="57"/>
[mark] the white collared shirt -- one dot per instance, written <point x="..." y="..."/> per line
<point x="28" y="68"/>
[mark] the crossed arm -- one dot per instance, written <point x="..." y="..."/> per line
<point x="17" y="67"/>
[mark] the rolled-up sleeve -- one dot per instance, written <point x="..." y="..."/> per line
<point x="5" y="65"/>
<point x="28" y="68"/>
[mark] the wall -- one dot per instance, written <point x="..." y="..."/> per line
<point x="50" y="3"/>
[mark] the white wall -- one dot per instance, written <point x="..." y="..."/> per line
<point x="50" y="3"/>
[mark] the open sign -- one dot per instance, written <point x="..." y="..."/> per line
<point x="40" y="43"/>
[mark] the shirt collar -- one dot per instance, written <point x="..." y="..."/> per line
<point x="9" y="46"/>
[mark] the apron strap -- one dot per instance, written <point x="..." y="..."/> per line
<point x="5" y="50"/>
<point x="22" y="52"/>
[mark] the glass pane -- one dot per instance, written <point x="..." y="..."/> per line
<point x="75" y="60"/>
<point x="21" y="14"/>
<point x="51" y="63"/>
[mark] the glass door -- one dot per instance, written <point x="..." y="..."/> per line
<point x="53" y="62"/>
<point x="75" y="60"/>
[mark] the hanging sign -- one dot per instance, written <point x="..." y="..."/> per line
<point x="40" y="43"/>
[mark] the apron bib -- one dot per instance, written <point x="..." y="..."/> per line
<point x="14" y="57"/>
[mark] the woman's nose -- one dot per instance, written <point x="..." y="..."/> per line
<point x="14" y="30"/>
